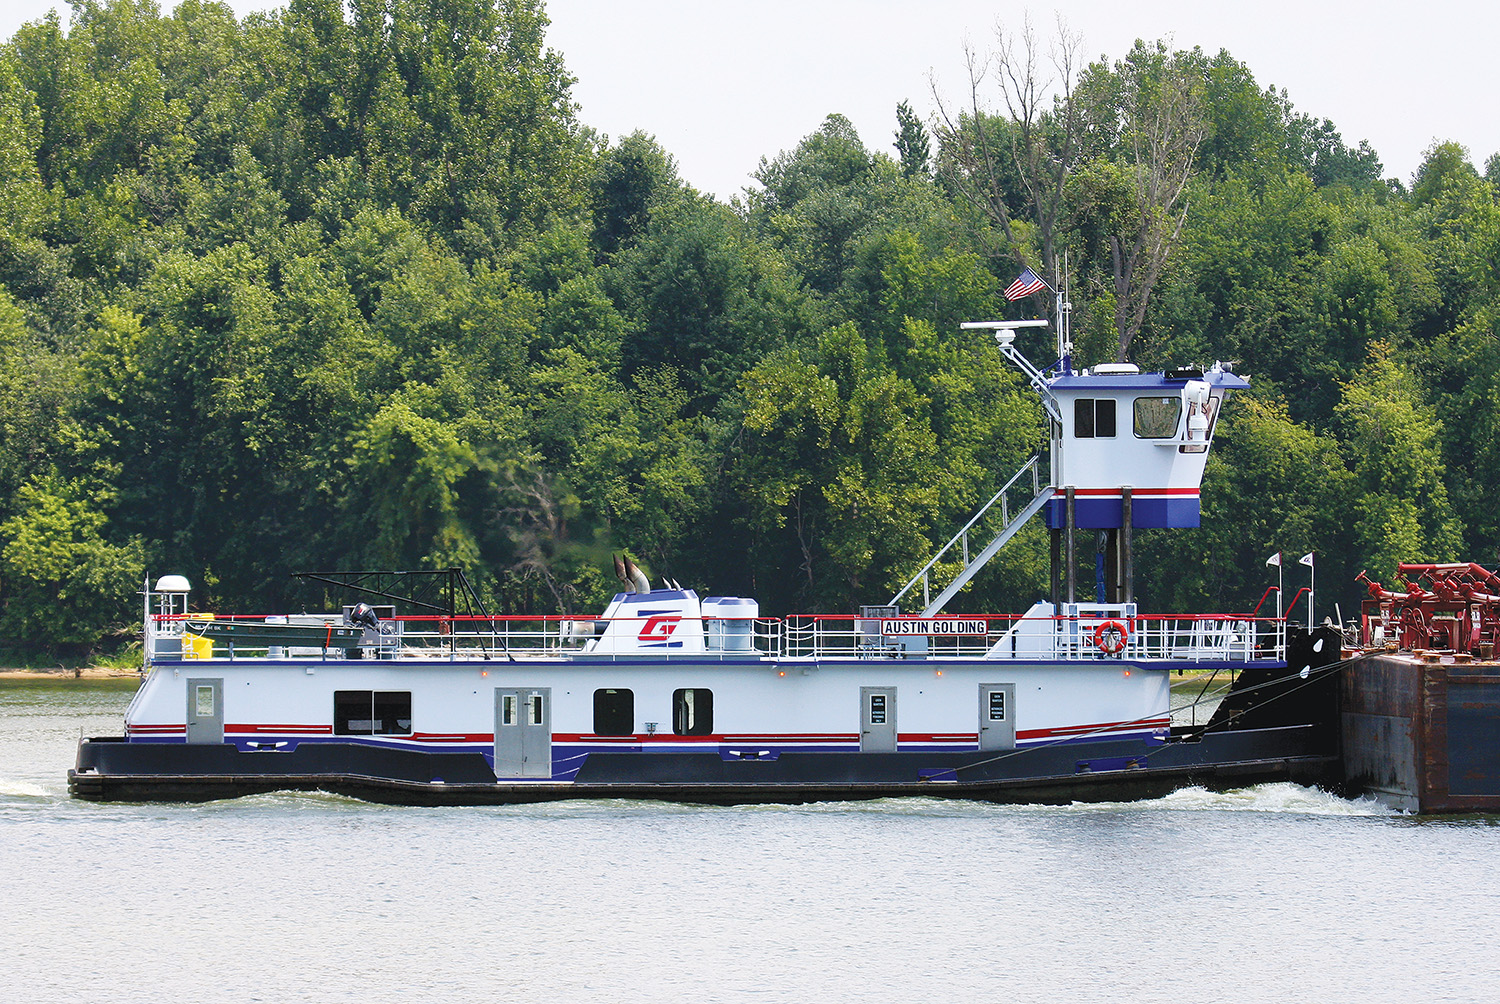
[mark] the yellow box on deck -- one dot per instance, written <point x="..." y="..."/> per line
<point x="194" y="647"/>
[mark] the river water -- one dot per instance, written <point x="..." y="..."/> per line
<point x="1272" y="893"/>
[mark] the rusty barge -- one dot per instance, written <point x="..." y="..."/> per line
<point x="1420" y="711"/>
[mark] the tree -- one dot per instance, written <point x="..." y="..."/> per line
<point x="911" y="141"/>
<point x="630" y="180"/>
<point x="1401" y="509"/>
<point x="1269" y="486"/>
<point x="1037" y="147"/>
<point x="841" y="472"/>
<point x="65" y="584"/>
<point x="1150" y="107"/>
<point x="705" y="298"/>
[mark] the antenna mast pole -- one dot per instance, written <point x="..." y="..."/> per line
<point x="1064" y="319"/>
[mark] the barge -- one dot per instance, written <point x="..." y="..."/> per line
<point x="1420" y="712"/>
<point x="671" y="695"/>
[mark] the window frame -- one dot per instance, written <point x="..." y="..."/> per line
<point x="379" y="705"/>
<point x="692" y="711"/>
<point x="1087" y="412"/>
<point x="610" y="715"/>
<point x="1162" y="399"/>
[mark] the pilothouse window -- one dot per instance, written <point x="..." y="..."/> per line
<point x="371" y="713"/>
<point x="1094" y="418"/>
<point x="1157" y="417"/>
<point x="693" y="712"/>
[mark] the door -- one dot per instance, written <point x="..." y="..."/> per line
<point x="205" y="711"/>
<point x="523" y="732"/>
<point x="997" y="716"/>
<point x="877" y="719"/>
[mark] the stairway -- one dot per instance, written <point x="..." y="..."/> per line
<point x="1009" y="526"/>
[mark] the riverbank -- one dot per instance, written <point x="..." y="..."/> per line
<point x="64" y="675"/>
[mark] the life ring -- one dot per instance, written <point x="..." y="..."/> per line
<point x="1110" y="637"/>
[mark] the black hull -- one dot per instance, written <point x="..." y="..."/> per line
<point x="112" y="770"/>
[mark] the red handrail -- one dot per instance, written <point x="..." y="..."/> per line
<point x="1287" y="613"/>
<point x="1269" y="590"/>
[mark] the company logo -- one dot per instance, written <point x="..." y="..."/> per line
<point x="659" y="628"/>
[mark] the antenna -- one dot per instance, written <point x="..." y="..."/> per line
<point x="1064" y="319"/>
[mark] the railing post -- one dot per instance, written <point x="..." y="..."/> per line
<point x="1072" y="552"/>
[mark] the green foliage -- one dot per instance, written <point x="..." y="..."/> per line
<point x="841" y="471"/>
<point x="1270" y="486"/>
<point x="911" y="141"/>
<point x="65" y="584"/>
<point x="1401" y="508"/>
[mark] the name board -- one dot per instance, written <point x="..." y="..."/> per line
<point x="945" y="626"/>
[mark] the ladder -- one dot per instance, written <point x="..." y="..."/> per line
<point x="1009" y="527"/>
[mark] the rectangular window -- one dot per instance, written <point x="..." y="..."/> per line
<point x="1094" y="418"/>
<point x="205" y="700"/>
<point x="693" y="712"/>
<point x="1157" y="417"/>
<point x="614" y="712"/>
<point x="371" y="713"/>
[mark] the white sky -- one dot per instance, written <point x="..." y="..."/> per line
<point x="721" y="83"/>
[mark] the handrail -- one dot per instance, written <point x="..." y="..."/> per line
<point x="1217" y="638"/>
<point x="1268" y="592"/>
<point x="1030" y="465"/>
<point x="1286" y="614"/>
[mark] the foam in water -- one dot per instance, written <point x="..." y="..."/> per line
<point x="1282" y="796"/>
<point x="21" y="789"/>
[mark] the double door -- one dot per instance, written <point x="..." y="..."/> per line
<point x="523" y="732"/>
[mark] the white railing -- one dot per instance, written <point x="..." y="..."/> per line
<point x="1090" y="636"/>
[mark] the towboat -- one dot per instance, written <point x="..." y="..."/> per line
<point x="671" y="695"/>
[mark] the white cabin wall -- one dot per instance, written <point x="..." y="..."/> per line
<point x="748" y="698"/>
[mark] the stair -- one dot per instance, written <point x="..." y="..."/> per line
<point x="1009" y="526"/>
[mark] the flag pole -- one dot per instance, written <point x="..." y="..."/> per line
<point x="1309" y="560"/>
<point x="1275" y="559"/>
<point x="1064" y="309"/>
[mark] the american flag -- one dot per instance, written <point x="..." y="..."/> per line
<point x="1026" y="284"/>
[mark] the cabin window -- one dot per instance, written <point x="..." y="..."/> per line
<point x="614" y="712"/>
<point x="1094" y="418"/>
<point x="371" y="713"/>
<point x="693" y="712"/>
<point x="1156" y="417"/>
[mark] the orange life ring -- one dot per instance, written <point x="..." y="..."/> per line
<point x="1111" y="636"/>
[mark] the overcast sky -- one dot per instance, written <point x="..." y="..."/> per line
<point x="722" y="83"/>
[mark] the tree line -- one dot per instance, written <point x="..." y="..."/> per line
<point x="355" y="286"/>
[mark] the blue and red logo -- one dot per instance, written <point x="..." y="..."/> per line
<point x="658" y="628"/>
